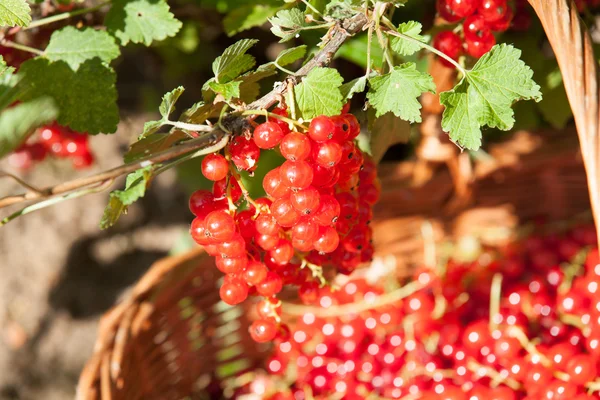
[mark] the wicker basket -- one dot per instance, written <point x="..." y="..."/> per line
<point x="171" y="335"/>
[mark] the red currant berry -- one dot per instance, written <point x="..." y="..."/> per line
<point x="493" y="10"/>
<point x="198" y="232"/>
<point x="271" y="285"/>
<point x="309" y="292"/>
<point x="232" y="265"/>
<point x="263" y="330"/>
<point x="244" y="153"/>
<point x="450" y="44"/>
<point x="267" y="135"/>
<point x="475" y="27"/>
<point x="445" y="11"/>
<point x="255" y="272"/>
<point x="463" y="8"/>
<point x="295" y="146"/>
<point x="220" y="226"/>
<point x="282" y="253"/>
<point x="327" y="241"/>
<point x="233" y="292"/>
<point x="215" y="167"/>
<point x="477" y="48"/>
<point x="296" y="174"/>
<point x="234" y="247"/>
<point x="306" y="201"/>
<point x="220" y="189"/>
<point x="324" y="177"/>
<point x="321" y="129"/>
<point x="284" y="212"/>
<point x="306" y="230"/>
<point x="328" y="212"/>
<point x="201" y="203"/>
<point x="266" y="242"/>
<point x="266" y="225"/>
<point x="327" y="154"/>
<point x="273" y="185"/>
<point x="581" y="369"/>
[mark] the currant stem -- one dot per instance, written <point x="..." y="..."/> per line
<point x="317" y="271"/>
<point x="9" y="43"/>
<point x="356" y="307"/>
<point x="189" y="127"/>
<point x="427" y="47"/>
<point x="490" y="372"/>
<point x="21" y="182"/>
<point x="495" y="295"/>
<point x="245" y="192"/>
<point x="518" y="334"/>
<point x="60" y="17"/>
<point x="273" y="115"/>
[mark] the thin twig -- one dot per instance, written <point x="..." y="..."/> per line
<point x="77" y="184"/>
<point x="22" y="47"/>
<point x="65" y="15"/>
<point x="20" y="182"/>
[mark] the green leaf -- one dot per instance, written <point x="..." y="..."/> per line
<point x="153" y="144"/>
<point x="150" y="127"/>
<point x="287" y="24"/>
<point x="119" y="200"/>
<point x="167" y="106"/>
<point x="340" y="9"/>
<point x="228" y="90"/>
<point x="486" y="94"/>
<point x="404" y="46"/>
<point x="249" y="88"/>
<point x="249" y="16"/>
<point x="357" y="85"/>
<point x="74" y="46"/>
<point x="14" y="13"/>
<point x="234" y="61"/>
<point x="319" y="93"/>
<point x="141" y="21"/>
<point x="398" y="92"/>
<point x="289" y="56"/>
<point x="16" y="123"/>
<point x="385" y="132"/>
<point x="200" y="112"/>
<point x="5" y="69"/>
<point x="86" y="98"/>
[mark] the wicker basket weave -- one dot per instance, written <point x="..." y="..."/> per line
<point x="171" y="335"/>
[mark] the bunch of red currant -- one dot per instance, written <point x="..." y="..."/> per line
<point x="57" y="141"/>
<point x="316" y="212"/>
<point x="524" y="324"/>
<point x="480" y="19"/>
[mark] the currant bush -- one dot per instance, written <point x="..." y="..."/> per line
<point x="316" y="213"/>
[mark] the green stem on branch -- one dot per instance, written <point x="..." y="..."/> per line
<point x="9" y="43"/>
<point x="273" y="115"/>
<point x="65" y="15"/>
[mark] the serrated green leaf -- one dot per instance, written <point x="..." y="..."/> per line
<point x="228" y="90"/>
<point x="404" y="46"/>
<point x="150" y="127"/>
<point x="234" y="61"/>
<point x="5" y="70"/>
<point x="14" y="13"/>
<point x="349" y="89"/>
<point x="385" y="132"/>
<point x="119" y="200"/>
<point x="200" y="112"/>
<point x="74" y="46"/>
<point x="486" y="94"/>
<point x="141" y="21"/>
<point x="319" y="93"/>
<point x="86" y="98"/>
<point x="341" y="9"/>
<point x="153" y="144"/>
<point x="287" y="24"/>
<point x="167" y="106"/>
<point x="289" y="56"/>
<point x="398" y="92"/>
<point x="16" y="123"/>
<point x="249" y="16"/>
<point x="249" y="88"/>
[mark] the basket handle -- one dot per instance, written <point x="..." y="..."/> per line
<point x="572" y="46"/>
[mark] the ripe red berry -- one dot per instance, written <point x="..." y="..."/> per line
<point x="306" y="201"/>
<point x="450" y="44"/>
<point x="321" y="129"/>
<point x="282" y="124"/>
<point x="266" y="242"/>
<point x="263" y="330"/>
<point x="324" y="177"/>
<point x="492" y="10"/>
<point x="296" y="174"/>
<point x="581" y="369"/>
<point x="327" y="241"/>
<point x="463" y="8"/>
<point x="232" y="265"/>
<point x="305" y="230"/>
<point x="309" y="292"/>
<point x="283" y="252"/>
<point x="475" y="27"/>
<point x="220" y="189"/>
<point x="215" y="167"/>
<point x="201" y="203"/>
<point x="328" y="211"/>
<point x="233" y="292"/>
<point x="234" y="247"/>
<point x="255" y="272"/>
<point x="295" y="146"/>
<point x="199" y="233"/>
<point x="284" y="212"/>
<point x="445" y="11"/>
<point x="220" y="226"/>
<point x="273" y="185"/>
<point x="505" y="22"/>
<point x="271" y="285"/>
<point x="267" y="135"/>
<point x="266" y="225"/>
<point x="477" y="48"/>
<point x="327" y="154"/>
